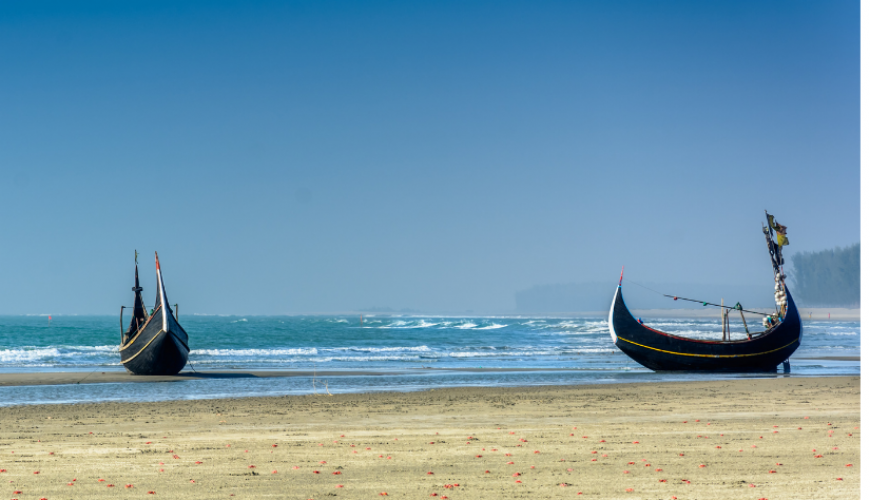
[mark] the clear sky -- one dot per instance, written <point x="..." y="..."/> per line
<point x="326" y="156"/>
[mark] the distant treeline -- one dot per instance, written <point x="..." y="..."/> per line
<point x="829" y="277"/>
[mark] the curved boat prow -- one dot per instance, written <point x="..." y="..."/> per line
<point x="610" y="316"/>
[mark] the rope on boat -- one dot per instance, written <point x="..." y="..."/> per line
<point x="705" y="303"/>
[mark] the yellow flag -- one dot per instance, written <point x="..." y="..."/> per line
<point x="781" y="238"/>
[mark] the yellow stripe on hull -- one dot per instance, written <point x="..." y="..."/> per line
<point x="710" y="355"/>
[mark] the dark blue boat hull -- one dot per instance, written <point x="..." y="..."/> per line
<point x="662" y="351"/>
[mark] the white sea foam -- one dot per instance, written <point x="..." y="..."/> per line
<point x="467" y="354"/>
<point x="267" y="353"/>
<point x="253" y="352"/>
<point x="494" y="326"/>
<point x="60" y="354"/>
<point x="408" y="325"/>
<point x="305" y="361"/>
<point x="576" y="333"/>
<point x="357" y="359"/>
<point x="22" y="355"/>
<point x="421" y="348"/>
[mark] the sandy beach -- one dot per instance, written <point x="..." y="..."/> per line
<point x="746" y="439"/>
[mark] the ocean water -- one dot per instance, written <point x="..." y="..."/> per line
<point x="375" y="353"/>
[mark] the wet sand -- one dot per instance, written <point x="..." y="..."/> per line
<point x="746" y="439"/>
<point x="120" y="376"/>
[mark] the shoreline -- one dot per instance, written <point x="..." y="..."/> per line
<point x="23" y="379"/>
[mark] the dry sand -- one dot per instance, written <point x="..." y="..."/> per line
<point x="785" y="438"/>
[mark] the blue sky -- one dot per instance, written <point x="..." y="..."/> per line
<point x="329" y="156"/>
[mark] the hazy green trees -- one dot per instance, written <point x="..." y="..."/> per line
<point x="829" y="277"/>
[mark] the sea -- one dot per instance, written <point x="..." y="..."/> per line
<point x="342" y="354"/>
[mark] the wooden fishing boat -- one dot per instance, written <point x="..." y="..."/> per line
<point x="153" y="344"/>
<point x="761" y="351"/>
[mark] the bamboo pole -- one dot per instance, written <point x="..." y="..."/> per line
<point x="744" y="324"/>
<point x="728" y="322"/>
